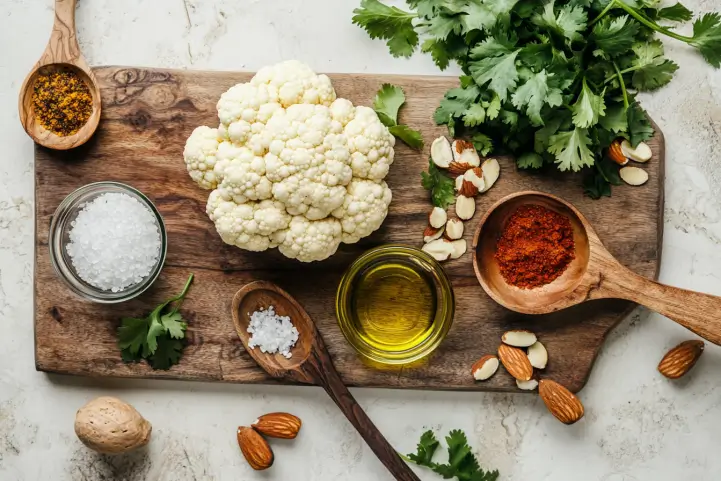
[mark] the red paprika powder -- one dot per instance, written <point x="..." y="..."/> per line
<point x="535" y="246"/>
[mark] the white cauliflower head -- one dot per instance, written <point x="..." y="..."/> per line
<point x="292" y="166"/>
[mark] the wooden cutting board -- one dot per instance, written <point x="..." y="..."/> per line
<point x="147" y="116"/>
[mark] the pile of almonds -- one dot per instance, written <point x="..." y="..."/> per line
<point x="620" y="151"/>
<point x="254" y="446"/>
<point x="520" y="364"/>
<point x="443" y="238"/>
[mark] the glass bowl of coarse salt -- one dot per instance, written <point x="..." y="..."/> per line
<point x="107" y="242"/>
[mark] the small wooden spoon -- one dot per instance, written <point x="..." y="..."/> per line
<point x="62" y="52"/>
<point x="594" y="274"/>
<point x="310" y="364"/>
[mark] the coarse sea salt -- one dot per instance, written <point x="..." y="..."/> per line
<point x="114" y="242"/>
<point x="272" y="333"/>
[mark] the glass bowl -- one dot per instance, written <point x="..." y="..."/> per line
<point x="383" y="322"/>
<point x="59" y="237"/>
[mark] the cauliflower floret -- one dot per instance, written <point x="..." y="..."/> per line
<point x="200" y="156"/>
<point x="244" y="178"/>
<point x="296" y="83"/>
<point x="253" y="226"/>
<point x="311" y="240"/>
<point x="364" y="209"/>
<point x="292" y="166"/>
<point x="370" y="145"/>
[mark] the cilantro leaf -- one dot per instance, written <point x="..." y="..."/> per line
<point x="462" y="463"/>
<point x="615" y="119"/>
<point x="131" y="336"/>
<point x="534" y="94"/>
<point x="615" y="36"/>
<point x="675" y="13"/>
<point x="568" y="22"/>
<point x="588" y="108"/>
<point x="482" y="143"/>
<point x="595" y="186"/>
<point x="411" y="137"/>
<point x="388" y="23"/>
<point x="494" y="108"/>
<point x="150" y="337"/>
<point x="387" y="102"/>
<point x="439" y="52"/>
<point x="477" y="16"/>
<point x="440" y="26"/>
<point x="449" y="108"/>
<point x="441" y="186"/>
<point x="529" y="160"/>
<point x="572" y="149"/>
<point x="426" y="448"/>
<point x="500" y="71"/>
<point x="652" y="70"/>
<point x="167" y="354"/>
<point x="474" y="115"/>
<point x="174" y="324"/>
<point x="494" y="46"/>
<point x="707" y="37"/>
<point x="639" y="127"/>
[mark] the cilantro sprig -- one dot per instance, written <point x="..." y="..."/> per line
<point x="552" y="82"/>
<point x="158" y="338"/>
<point x="462" y="463"/>
<point x="388" y="101"/>
<point x="440" y="186"/>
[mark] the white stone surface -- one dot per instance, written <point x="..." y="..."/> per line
<point x="638" y="426"/>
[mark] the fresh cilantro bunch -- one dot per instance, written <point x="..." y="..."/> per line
<point x="462" y="464"/>
<point x="388" y="101"/>
<point x="552" y="82"/>
<point x="157" y="338"/>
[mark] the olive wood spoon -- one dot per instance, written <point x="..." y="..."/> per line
<point x="310" y="364"/>
<point x="61" y="52"/>
<point x="593" y="274"/>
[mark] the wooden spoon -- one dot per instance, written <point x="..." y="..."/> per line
<point x="310" y="364"/>
<point x="62" y="52"/>
<point x="594" y="274"/>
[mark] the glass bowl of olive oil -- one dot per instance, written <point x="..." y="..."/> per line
<point x="395" y="304"/>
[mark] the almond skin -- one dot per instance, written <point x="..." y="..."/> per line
<point x="458" y="168"/>
<point x="562" y="403"/>
<point x="255" y="448"/>
<point x="616" y="154"/>
<point x="278" y="425"/>
<point x="516" y="362"/>
<point x="431" y="233"/>
<point x="485" y="367"/>
<point x="679" y="360"/>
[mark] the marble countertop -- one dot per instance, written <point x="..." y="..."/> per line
<point x="638" y="425"/>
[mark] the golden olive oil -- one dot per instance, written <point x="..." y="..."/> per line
<point x="394" y="306"/>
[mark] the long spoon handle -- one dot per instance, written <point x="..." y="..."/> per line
<point x="700" y="313"/>
<point x="63" y="44"/>
<point x="323" y="371"/>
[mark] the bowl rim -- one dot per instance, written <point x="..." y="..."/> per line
<point x="442" y="282"/>
<point x="60" y="266"/>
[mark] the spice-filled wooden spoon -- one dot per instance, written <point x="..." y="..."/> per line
<point x="62" y="55"/>
<point x="593" y="274"/>
<point x="310" y="364"/>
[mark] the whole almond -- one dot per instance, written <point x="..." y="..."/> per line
<point x="679" y="360"/>
<point x="485" y="367"/>
<point x="516" y="362"/>
<point x="562" y="403"/>
<point x="278" y="425"/>
<point x="255" y="448"/>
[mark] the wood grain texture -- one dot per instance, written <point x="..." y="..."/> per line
<point x="147" y="116"/>
<point x="310" y="363"/>
<point x="593" y="274"/>
<point x="61" y="52"/>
